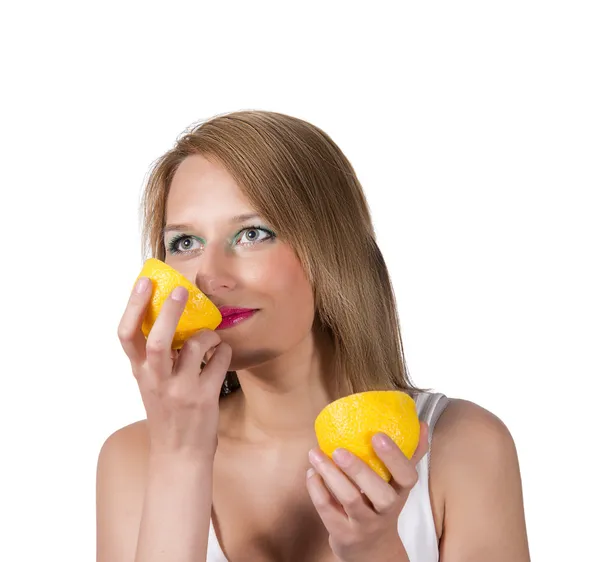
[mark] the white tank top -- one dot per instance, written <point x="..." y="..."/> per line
<point x="416" y="526"/>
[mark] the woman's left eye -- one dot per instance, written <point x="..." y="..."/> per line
<point x="253" y="235"/>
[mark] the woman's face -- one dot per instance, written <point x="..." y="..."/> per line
<point x="218" y="241"/>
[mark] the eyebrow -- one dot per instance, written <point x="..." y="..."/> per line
<point x="184" y="226"/>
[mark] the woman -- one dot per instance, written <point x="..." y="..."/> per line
<point x="265" y="214"/>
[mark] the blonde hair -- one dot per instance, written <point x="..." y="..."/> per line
<point x="299" y="180"/>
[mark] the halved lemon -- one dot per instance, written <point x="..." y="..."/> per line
<point x="199" y="311"/>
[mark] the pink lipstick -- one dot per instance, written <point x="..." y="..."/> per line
<point x="234" y="315"/>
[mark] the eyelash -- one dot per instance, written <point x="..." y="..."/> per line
<point x="172" y="246"/>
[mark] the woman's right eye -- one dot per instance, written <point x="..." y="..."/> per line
<point x="183" y="244"/>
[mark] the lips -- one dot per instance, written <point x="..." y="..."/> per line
<point x="234" y="315"/>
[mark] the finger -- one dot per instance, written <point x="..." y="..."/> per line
<point x="214" y="372"/>
<point x="382" y="496"/>
<point x="329" y="510"/>
<point x="129" y="331"/>
<point x="160" y="338"/>
<point x="346" y="493"/>
<point x="403" y="470"/>
<point x="193" y="352"/>
<point x="209" y="355"/>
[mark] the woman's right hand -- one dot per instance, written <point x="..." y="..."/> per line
<point x="180" y="396"/>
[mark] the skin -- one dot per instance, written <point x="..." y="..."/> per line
<point x="248" y="455"/>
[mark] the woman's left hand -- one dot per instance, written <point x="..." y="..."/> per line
<point x="364" y="526"/>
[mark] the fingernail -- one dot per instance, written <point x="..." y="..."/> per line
<point x="142" y="285"/>
<point x="342" y="457"/>
<point x="179" y="294"/>
<point x="382" y="441"/>
<point x="310" y="472"/>
<point x="315" y="456"/>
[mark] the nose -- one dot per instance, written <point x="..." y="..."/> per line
<point x="214" y="274"/>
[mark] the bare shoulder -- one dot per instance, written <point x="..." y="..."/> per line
<point x="469" y="442"/>
<point x="120" y="488"/>
<point x="124" y="453"/>
<point x="129" y="440"/>
<point x="464" y="423"/>
<point x="476" y="486"/>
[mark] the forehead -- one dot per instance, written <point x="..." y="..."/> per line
<point x="203" y="189"/>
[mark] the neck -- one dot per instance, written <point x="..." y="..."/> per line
<point x="281" y="398"/>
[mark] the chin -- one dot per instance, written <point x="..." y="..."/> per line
<point x="247" y="359"/>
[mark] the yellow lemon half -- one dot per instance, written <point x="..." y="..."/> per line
<point x="351" y="422"/>
<point x="199" y="311"/>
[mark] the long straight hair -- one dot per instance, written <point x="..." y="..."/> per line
<point x="299" y="180"/>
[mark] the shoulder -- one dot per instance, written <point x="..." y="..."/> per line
<point x="469" y="443"/>
<point x="129" y="442"/>
<point x="464" y="424"/>
<point x="136" y="432"/>
<point x="123" y="458"/>
<point x="120" y="489"/>
<point x="476" y="484"/>
<point x="122" y="461"/>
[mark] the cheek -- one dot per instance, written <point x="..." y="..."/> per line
<point x="280" y="278"/>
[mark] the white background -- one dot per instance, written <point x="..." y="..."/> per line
<point x="475" y="130"/>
